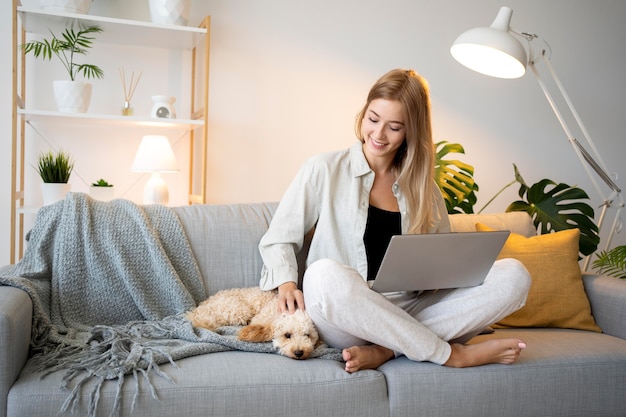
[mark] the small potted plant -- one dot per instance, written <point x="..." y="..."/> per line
<point x="71" y="95"/>
<point x="102" y="190"/>
<point x="55" y="170"/>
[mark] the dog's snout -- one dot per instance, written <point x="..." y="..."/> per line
<point x="298" y="353"/>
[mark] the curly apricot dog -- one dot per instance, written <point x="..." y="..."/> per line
<point x="294" y="335"/>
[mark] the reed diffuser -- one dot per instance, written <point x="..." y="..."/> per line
<point x="129" y="90"/>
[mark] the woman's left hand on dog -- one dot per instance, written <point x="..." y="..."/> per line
<point x="290" y="298"/>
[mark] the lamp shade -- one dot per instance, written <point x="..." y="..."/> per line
<point x="154" y="155"/>
<point x="492" y="50"/>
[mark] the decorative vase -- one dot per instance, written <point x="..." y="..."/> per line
<point x="102" y="193"/>
<point x="54" y="191"/>
<point x="72" y="96"/>
<point x="170" y="12"/>
<point x="67" y="6"/>
<point x="163" y="107"/>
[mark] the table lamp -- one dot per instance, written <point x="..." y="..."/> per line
<point x="497" y="51"/>
<point x="155" y="155"/>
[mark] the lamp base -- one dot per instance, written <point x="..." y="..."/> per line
<point x="155" y="191"/>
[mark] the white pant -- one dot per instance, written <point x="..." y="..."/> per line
<point x="348" y="313"/>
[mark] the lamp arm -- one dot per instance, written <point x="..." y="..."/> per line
<point x="596" y="167"/>
<point x="600" y="167"/>
<point x="590" y="162"/>
<point x="585" y="157"/>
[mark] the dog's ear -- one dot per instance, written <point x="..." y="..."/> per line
<point x="256" y="333"/>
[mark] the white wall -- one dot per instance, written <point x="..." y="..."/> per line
<point x="287" y="79"/>
<point x="5" y="131"/>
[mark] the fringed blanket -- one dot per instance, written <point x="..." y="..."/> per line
<point x="110" y="282"/>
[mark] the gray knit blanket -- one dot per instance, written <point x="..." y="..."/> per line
<point x="110" y="282"/>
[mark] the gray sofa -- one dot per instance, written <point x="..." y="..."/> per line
<point x="561" y="373"/>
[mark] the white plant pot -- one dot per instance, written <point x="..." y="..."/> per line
<point x="54" y="191"/>
<point x="72" y="96"/>
<point x="170" y="12"/>
<point x="67" y="6"/>
<point x="102" y="193"/>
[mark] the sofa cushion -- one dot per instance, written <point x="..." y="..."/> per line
<point x="607" y="296"/>
<point x="238" y="384"/>
<point x="224" y="240"/>
<point x="557" y="296"/>
<point x="516" y="221"/>
<point x="562" y="373"/>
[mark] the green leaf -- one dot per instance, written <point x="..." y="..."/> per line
<point x="89" y="71"/>
<point x="555" y="207"/>
<point x="455" y="179"/>
<point x="101" y="183"/>
<point x="55" y="168"/>
<point x="70" y="44"/>
<point x="612" y="263"/>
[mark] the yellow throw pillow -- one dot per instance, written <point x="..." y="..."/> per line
<point x="557" y="297"/>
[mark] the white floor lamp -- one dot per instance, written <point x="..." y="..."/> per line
<point x="497" y="52"/>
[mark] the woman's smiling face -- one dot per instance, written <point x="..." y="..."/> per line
<point x="383" y="129"/>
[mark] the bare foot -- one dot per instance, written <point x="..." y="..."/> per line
<point x="504" y="351"/>
<point x="366" y="357"/>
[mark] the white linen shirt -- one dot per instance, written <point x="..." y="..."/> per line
<point x="331" y="193"/>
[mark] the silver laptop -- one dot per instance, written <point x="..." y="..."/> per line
<point x="437" y="261"/>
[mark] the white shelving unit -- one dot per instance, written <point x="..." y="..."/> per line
<point x="115" y="31"/>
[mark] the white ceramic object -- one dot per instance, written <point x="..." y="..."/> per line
<point x="163" y="107"/>
<point x="170" y="12"/>
<point x="155" y="190"/>
<point x="54" y="191"/>
<point x="72" y="96"/>
<point x="67" y="6"/>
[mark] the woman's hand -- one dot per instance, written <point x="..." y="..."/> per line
<point x="290" y="298"/>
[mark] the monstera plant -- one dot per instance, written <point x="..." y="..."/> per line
<point x="455" y="179"/>
<point x="555" y="207"/>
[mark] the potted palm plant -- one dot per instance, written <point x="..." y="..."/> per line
<point x="102" y="190"/>
<point x="55" y="170"/>
<point x="71" y="95"/>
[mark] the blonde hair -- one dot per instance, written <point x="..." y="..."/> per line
<point x="415" y="160"/>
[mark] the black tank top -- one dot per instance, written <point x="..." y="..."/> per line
<point x="381" y="225"/>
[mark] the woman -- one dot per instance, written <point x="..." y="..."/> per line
<point x="357" y="199"/>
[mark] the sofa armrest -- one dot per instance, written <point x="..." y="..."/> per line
<point x="16" y="310"/>
<point x="607" y="296"/>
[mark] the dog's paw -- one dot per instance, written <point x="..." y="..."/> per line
<point x="256" y="333"/>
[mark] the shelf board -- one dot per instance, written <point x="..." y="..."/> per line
<point x="51" y="117"/>
<point x="28" y="210"/>
<point x="118" y="31"/>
